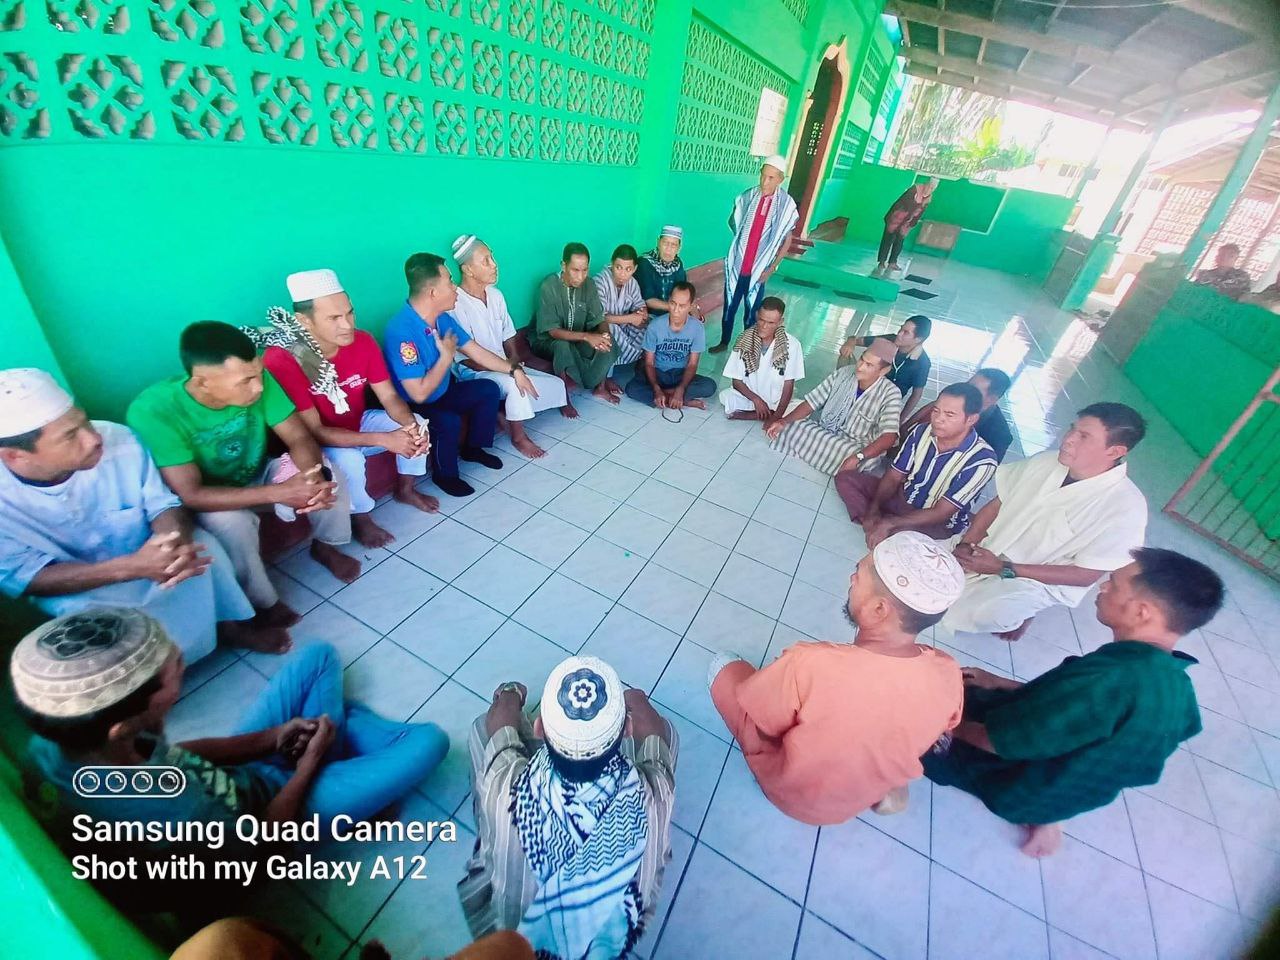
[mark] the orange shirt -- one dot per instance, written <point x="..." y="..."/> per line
<point x="841" y="726"/>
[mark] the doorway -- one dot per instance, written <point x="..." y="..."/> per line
<point x="817" y="135"/>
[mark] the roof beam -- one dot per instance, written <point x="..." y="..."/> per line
<point x="1220" y="85"/>
<point x="1247" y="17"/>
<point x="1033" y="40"/>
<point x="1250" y="60"/>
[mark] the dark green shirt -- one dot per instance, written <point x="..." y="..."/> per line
<point x="576" y="309"/>
<point x="1074" y="737"/>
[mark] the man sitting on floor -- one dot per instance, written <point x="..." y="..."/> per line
<point x="482" y="312"/>
<point x="571" y="330"/>
<point x="910" y="366"/>
<point x="623" y="305"/>
<point x="324" y="364"/>
<point x="207" y="432"/>
<point x="1071" y="739"/>
<point x="991" y="426"/>
<point x="858" y="416"/>
<point x="86" y="521"/>
<point x="573" y="814"/>
<point x="96" y="688"/>
<point x="830" y="729"/>
<point x="940" y="469"/>
<point x="673" y="345"/>
<point x="1059" y="521"/>
<point x="421" y="343"/>
<point x="763" y="368"/>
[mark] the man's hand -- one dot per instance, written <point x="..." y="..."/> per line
<point x="402" y="443"/>
<point x="524" y="384"/>
<point x="983" y="680"/>
<point x="168" y="560"/>
<point x="876" y="530"/>
<point x="675" y="399"/>
<point x="300" y="490"/>
<point x="846" y="348"/>
<point x="975" y="559"/>
<point x="659" y="398"/>
<point x="447" y="345"/>
<point x="762" y="408"/>
<point x="598" y="341"/>
<point x="292" y="737"/>
<point x="774" y="428"/>
<point x="321" y="739"/>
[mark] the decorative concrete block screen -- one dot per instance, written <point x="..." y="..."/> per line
<point x="719" y="97"/>
<point x="523" y="79"/>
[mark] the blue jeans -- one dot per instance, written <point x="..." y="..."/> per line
<point x="731" y="302"/>
<point x="372" y="763"/>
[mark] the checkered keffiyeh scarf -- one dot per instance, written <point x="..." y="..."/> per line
<point x="752" y="349"/>
<point x="584" y="843"/>
<point x="284" y="331"/>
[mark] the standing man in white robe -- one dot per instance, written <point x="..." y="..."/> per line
<point x="86" y="521"/>
<point x="482" y="311"/>
<point x="1060" y="521"/>
<point x="763" y="368"/>
<point x="762" y="220"/>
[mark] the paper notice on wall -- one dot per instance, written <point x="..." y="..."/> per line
<point x="768" y="130"/>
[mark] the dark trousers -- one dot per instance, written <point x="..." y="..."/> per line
<point x="731" y="301"/>
<point x="477" y="400"/>
<point x="700" y="387"/>
<point x="890" y="247"/>
<point x="857" y="489"/>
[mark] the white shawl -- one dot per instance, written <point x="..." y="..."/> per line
<point x="777" y="228"/>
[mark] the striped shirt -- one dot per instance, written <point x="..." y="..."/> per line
<point x="499" y="885"/>
<point x="956" y="475"/>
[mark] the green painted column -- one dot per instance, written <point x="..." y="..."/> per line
<point x="1234" y="184"/>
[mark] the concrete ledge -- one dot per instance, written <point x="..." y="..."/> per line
<point x="813" y="270"/>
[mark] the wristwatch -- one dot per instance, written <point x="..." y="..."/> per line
<point x="1006" y="569"/>
<point x="516" y="365"/>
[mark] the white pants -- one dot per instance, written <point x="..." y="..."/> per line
<point x="237" y="531"/>
<point x="551" y="393"/>
<point x="189" y="612"/>
<point x="990" y="604"/>
<point x="350" y="461"/>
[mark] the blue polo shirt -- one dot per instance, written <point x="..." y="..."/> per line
<point x="411" y="350"/>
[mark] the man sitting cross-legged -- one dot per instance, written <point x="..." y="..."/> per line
<point x="96" y="688"/>
<point x="1070" y="740"/>
<point x="939" y="470"/>
<point x="570" y="328"/>
<point x="573" y="814"/>
<point x="764" y="367"/>
<point x="482" y="312"/>
<point x="86" y="521"/>
<point x="325" y="364"/>
<point x="207" y="432"/>
<point x="1060" y="521"/>
<point x="672" y="347"/>
<point x="831" y="729"/>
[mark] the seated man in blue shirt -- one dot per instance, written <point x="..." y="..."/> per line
<point x="672" y="347"/>
<point x="420" y="344"/>
<point x="939" y="471"/>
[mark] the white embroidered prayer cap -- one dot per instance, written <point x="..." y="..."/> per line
<point x="778" y="162"/>
<point x="30" y="399"/>
<point x="313" y="284"/>
<point x="464" y="246"/>
<point x="919" y="571"/>
<point x="583" y="711"/>
<point x="671" y="230"/>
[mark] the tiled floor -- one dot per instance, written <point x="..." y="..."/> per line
<point x="652" y="544"/>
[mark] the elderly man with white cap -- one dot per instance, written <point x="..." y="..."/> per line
<point x="325" y="365"/>
<point x="86" y="521"/>
<point x="573" y="814"/>
<point x="762" y="220"/>
<point x="482" y="312"/>
<point x="661" y="269"/>
<point x="830" y="729"/>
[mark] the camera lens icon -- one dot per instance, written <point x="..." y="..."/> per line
<point x="129" y="782"/>
<point x="170" y="782"/>
<point x="141" y="782"/>
<point x="115" y="781"/>
<point x="87" y="782"/>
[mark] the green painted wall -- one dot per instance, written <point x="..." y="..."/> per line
<point x="1022" y="237"/>
<point x="23" y="339"/>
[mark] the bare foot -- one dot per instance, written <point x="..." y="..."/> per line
<point x="520" y="440"/>
<point x="345" y="568"/>
<point x="406" y="492"/>
<point x="612" y="386"/>
<point x="895" y="801"/>
<point x="744" y="415"/>
<point x="1043" y="840"/>
<point x="279" y="614"/>
<point x="569" y="411"/>
<point x="367" y="533"/>
<point x="696" y="404"/>
<point x="1015" y="634"/>
<point x="246" y="635"/>
<point x="602" y="393"/>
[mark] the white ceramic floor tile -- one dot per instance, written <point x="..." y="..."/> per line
<point x="753" y="584"/>
<point x="390" y="681"/>
<point x="698" y="768"/>
<point x="966" y="921"/>
<point x="662" y="500"/>
<point x="821" y="941"/>
<point x="1260" y="708"/>
<point x="636" y="456"/>
<point x="1056" y="626"/>
<point x="914" y="825"/>
<point x="495" y="513"/>
<point x="603" y="567"/>
<point x="691" y="556"/>
<point x="512" y="653"/>
<point x="595" y="440"/>
<point x="568" y="461"/>
<point x="636" y="648"/>
<point x="387" y="594"/>
<point x="1179" y="849"/>
<point x="325" y="624"/>
<point x="771" y="547"/>
<point x="1065" y="947"/>
<point x="1256" y="873"/>
<point x="1246" y="662"/>
<point x="300" y="598"/>
<point x="721" y="904"/>
<point x="1269" y="748"/>
<point x="983" y="646"/>
<point x="1188" y="928"/>
<point x="404" y="522"/>
<point x="1242" y="805"/>
<point x="318" y="579"/>
<point x="665" y="597"/>
<point x="534" y="485"/>
<point x="797" y="489"/>
<point x="583" y="507"/>
<point x="503" y="579"/>
<point x="1107" y="829"/>
<point x="1098" y="900"/>
<point x="681" y="849"/>
<point x="683" y="688"/>
<point x="784" y="515"/>
<point x="197" y="674"/>
<point x="447" y="629"/>
<point x="713" y="522"/>
<point x="664" y="435"/>
<point x="728" y="492"/>
<point x="1033" y="656"/>
<point x="634" y="530"/>
<point x="1213" y="692"/>
<point x="447" y="549"/>
<point x="710" y="453"/>
<point x="1180" y="786"/>
<point x="453" y="708"/>
<point x="683" y="475"/>
<point x="546" y="539"/>
<point x="817" y="614"/>
<point x="563" y="611"/>
<point x="839" y="536"/>
<point x="854" y="867"/>
<point x="723" y="625"/>
<point x="214" y="708"/>
<point x="611" y="479"/>
<point x="825" y="570"/>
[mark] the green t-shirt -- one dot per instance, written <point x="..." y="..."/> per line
<point x="228" y="445"/>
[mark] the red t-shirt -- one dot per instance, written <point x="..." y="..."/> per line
<point x="753" y="238"/>
<point x="358" y="364"/>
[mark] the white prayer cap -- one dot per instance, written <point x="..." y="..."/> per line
<point x="778" y="162"/>
<point x="919" y="571"/>
<point x="671" y="230"/>
<point x="312" y="285"/>
<point x="30" y="399"/>
<point x="464" y="246"/>
<point x="582" y="708"/>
